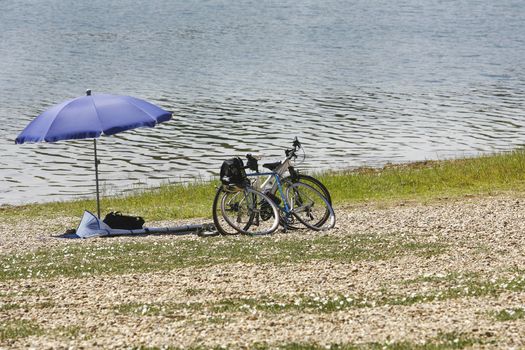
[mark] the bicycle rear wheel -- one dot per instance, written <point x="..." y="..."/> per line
<point x="220" y="224"/>
<point x="310" y="207"/>
<point x="250" y="212"/>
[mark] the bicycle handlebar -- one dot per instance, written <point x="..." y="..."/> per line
<point x="296" y="143"/>
<point x="291" y="153"/>
<point x="252" y="163"/>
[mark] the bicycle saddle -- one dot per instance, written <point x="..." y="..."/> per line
<point x="271" y="166"/>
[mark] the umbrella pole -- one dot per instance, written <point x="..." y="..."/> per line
<point x="96" y="176"/>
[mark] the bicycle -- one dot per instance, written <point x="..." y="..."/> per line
<point x="297" y="200"/>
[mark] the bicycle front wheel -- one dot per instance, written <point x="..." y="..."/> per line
<point x="312" y="181"/>
<point x="250" y="212"/>
<point x="310" y="207"/>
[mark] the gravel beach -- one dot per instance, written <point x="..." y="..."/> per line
<point x="458" y="282"/>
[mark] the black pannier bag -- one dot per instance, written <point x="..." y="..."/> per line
<point x="126" y="222"/>
<point x="233" y="173"/>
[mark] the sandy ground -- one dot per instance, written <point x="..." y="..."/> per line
<point x="484" y="248"/>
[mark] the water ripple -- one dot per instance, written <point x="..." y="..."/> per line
<point x="418" y="82"/>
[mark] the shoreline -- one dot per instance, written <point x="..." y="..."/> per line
<point x="422" y="180"/>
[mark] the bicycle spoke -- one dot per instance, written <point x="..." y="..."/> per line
<point x="250" y="213"/>
<point x="310" y="207"/>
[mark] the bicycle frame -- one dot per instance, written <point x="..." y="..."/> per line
<point x="277" y="174"/>
<point x="277" y="185"/>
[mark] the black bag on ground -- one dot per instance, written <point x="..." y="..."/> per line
<point x="233" y="173"/>
<point x="126" y="222"/>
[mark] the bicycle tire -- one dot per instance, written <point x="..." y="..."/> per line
<point x="289" y="221"/>
<point x="310" y="207"/>
<point x="250" y="212"/>
<point x="312" y="181"/>
<point x="220" y="224"/>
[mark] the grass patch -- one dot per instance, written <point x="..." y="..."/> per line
<point x="26" y="292"/>
<point x="273" y="304"/>
<point x="9" y="306"/>
<point x="421" y="181"/>
<point x="175" y="201"/>
<point x="315" y="304"/>
<point x="193" y="291"/>
<point x="444" y="278"/>
<point x="18" y="329"/>
<point x="14" y="306"/>
<point x="157" y="309"/>
<point x="326" y="304"/>
<point x="443" y="341"/>
<point x="462" y="285"/>
<point x="332" y="303"/>
<point x="70" y="332"/>
<point x="85" y="260"/>
<point x="509" y="314"/>
<point x="430" y="179"/>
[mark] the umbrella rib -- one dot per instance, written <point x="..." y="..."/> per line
<point x="56" y="117"/>
<point x="98" y="117"/>
<point x="149" y="115"/>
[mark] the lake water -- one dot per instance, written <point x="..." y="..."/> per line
<point x="359" y="82"/>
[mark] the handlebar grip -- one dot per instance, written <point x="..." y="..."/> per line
<point x="296" y="143"/>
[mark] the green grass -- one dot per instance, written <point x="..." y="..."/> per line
<point x="442" y="341"/>
<point x="11" y="330"/>
<point x="9" y="306"/>
<point x="430" y="179"/>
<point x="14" y="306"/>
<point x="319" y="303"/>
<point x="166" y="202"/>
<point x="447" y="278"/>
<point x="16" y="329"/>
<point x="419" y="181"/>
<point x="70" y="332"/>
<point x="509" y="314"/>
<point x="118" y="258"/>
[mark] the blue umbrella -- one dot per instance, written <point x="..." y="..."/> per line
<point x="91" y="116"/>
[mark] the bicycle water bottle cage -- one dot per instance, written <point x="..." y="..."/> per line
<point x="233" y="173"/>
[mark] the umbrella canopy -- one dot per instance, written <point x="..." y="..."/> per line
<point x="91" y="116"/>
